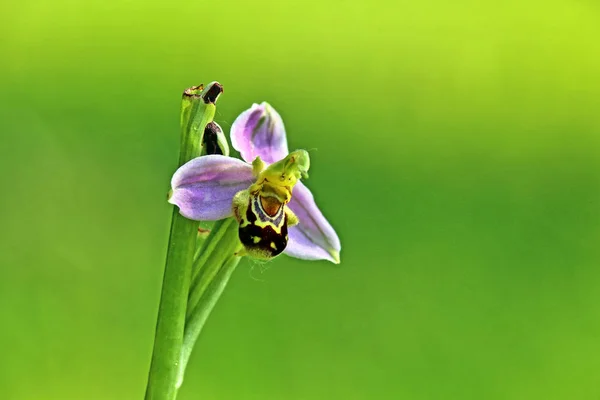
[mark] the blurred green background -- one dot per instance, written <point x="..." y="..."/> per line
<point x="454" y="147"/>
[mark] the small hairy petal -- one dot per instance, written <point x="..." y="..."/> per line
<point x="259" y="131"/>
<point x="313" y="238"/>
<point x="203" y="188"/>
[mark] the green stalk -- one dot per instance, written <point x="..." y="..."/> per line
<point x="201" y="312"/>
<point x="222" y="242"/>
<point x="197" y="110"/>
<point x="207" y="247"/>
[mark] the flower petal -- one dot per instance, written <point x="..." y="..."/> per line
<point x="259" y="131"/>
<point x="313" y="238"/>
<point x="204" y="187"/>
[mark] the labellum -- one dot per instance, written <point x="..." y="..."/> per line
<point x="263" y="224"/>
<point x="262" y="210"/>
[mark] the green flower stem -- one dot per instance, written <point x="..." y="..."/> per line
<point x="198" y="109"/>
<point x="213" y="267"/>
<point x="222" y="242"/>
<point x="204" y="250"/>
<point x="207" y="302"/>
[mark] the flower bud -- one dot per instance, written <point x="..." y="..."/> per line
<point x="214" y="140"/>
<point x="197" y="110"/>
<point x="212" y="92"/>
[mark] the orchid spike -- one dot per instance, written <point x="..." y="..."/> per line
<point x="276" y="211"/>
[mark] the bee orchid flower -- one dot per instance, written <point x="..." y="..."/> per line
<point x="276" y="212"/>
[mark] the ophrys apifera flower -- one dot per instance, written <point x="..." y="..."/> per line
<point x="276" y="212"/>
